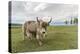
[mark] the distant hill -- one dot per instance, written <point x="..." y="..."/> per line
<point x="14" y="24"/>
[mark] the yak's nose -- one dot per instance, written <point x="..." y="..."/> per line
<point x="43" y="32"/>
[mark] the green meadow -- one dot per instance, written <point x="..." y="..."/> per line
<point x="58" y="38"/>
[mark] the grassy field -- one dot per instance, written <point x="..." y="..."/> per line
<point x="58" y="38"/>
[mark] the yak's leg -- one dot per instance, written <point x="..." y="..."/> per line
<point x="39" y="39"/>
<point x="25" y="36"/>
<point x="29" y="35"/>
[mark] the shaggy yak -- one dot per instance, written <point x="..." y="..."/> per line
<point x="35" y="29"/>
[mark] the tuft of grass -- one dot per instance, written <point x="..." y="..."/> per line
<point x="58" y="38"/>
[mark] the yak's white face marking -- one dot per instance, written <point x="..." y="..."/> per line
<point x="43" y="31"/>
<point x="43" y="27"/>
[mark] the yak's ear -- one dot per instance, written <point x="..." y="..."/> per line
<point x="37" y="19"/>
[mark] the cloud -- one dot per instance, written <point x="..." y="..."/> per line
<point x="28" y="6"/>
<point x="30" y="10"/>
<point x="40" y="7"/>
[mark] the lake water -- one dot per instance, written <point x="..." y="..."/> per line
<point x="60" y="24"/>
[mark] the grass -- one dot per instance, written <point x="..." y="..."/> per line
<point x="58" y="38"/>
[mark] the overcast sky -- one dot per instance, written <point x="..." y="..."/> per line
<point x="23" y="10"/>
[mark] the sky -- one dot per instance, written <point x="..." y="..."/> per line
<point x="25" y="11"/>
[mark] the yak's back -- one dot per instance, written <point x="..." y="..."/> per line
<point x="31" y="26"/>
